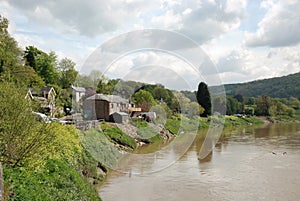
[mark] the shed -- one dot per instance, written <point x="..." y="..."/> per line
<point x="119" y="117"/>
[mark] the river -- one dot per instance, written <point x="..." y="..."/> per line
<point x="261" y="163"/>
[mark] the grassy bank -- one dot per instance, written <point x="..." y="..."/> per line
<point x="67" y="172"/>
<point x="286" y="118"/>
<point x="177" y="124"/>
<point x="57" y="180"/>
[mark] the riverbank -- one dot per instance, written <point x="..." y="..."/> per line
<point x="81" y="160"/>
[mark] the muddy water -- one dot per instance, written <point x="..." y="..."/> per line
<point x="246" y="164"/>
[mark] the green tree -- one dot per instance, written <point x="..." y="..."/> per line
<point x="203" y="98"/>
<point x="10" y="53"/>
<point x="68" y="74"/>
<point x="47" y="67"/>
<point x="143" y="99"/>
<point x="30" y="56"/>
<point x="23" y="139"/>
<point x="27" y="77"/>
<point x="233" y="106"/>
<point x="263" y="105"/>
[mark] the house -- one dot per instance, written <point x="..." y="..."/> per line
<point x="101" y="106"/>
<point x="45" y="97"/>
<point x="77" y="93"/>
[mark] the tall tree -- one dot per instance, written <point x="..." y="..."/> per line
<point x="47" y="67"/>
<point x="10" y="54"/>
<point x="68" y="73"/>
<point x="203" y="98"/>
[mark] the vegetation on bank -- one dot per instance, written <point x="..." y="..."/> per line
<point x="118" y="136"/>
<point x="56" y="180"/>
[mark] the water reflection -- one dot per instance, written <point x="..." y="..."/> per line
<point x="241" y="167"/>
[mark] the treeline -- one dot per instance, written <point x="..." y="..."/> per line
<point x="279" y="87"/>
<point x="261" y="106"/>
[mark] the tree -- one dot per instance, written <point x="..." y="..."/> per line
<point x="203" y="98"/>
<point x="263" y="105"/>
<point x="10" y="54"/>
<point x="106" y="86"/>
<point x="26" y="76"/>
<point x="30" y="56"/>
<point x="143" y="99"/>
<point x="46" y="67"/>
<point x="22" y="137"/>
<point x="68" y="74"/>
<point x="183" y="102"/>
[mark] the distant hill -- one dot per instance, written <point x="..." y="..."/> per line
<point x="278" y="87"/>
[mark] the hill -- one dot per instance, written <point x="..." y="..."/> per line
<point x="278" y="87"/>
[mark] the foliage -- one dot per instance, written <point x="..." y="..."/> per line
<point x="241" y="121"/>
<point x="26" y="76"/>
<point x="9" y="51"/>
<point x="146" y="133"/>
<point x="22" y="137"/>
<point x="66" y="143"/>
<point x="68" y="74"/>
<point x="233" y="106"/>
<point x="106" y="86"/>
<point x="57" y="180"/>
<point x="204" y="99"/>
<point x="119" y="136"/>
<point x="279" y="87"/>
<point x="100" y="147"/>
<point x="175" y="125"/>
<point x="143" y="99"/>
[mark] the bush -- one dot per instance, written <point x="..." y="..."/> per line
<point x="57" y="180"/>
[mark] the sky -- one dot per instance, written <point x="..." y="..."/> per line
<point x="228" y="41"/>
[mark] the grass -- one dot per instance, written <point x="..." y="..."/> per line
<point x="57" y="180"/>
<point x="100" y="147"/>
<point x="118" y="136"/>
<point x="146" y="133"/>
<point x="241" y="121"/>
<point x="175" y="125"/>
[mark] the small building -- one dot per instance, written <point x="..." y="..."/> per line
<point x="101" y="106"/>
<point x="119" y="117"/>
<point x="77" y="93"/>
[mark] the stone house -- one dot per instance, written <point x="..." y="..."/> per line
<point x="101" y="107"/>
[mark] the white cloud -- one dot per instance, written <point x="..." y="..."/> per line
<point x="89" y="18"/>
<point x="279" y="27"/>
<point x="169" y="20"/>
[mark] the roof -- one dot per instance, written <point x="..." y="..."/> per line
<point x="79" y="89"/>
<point x="48" y="90"/>
<point x="121" y="113"/>
<point x="108" y="98"/>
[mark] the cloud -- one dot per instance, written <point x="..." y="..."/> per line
<point x="89" y="18"/>
<point x="209" y="19"/>
<point x="280" y="26"/>
<point x="201" y="20"/>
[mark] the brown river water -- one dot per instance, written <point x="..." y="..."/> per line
<point x="261" y="163"/>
